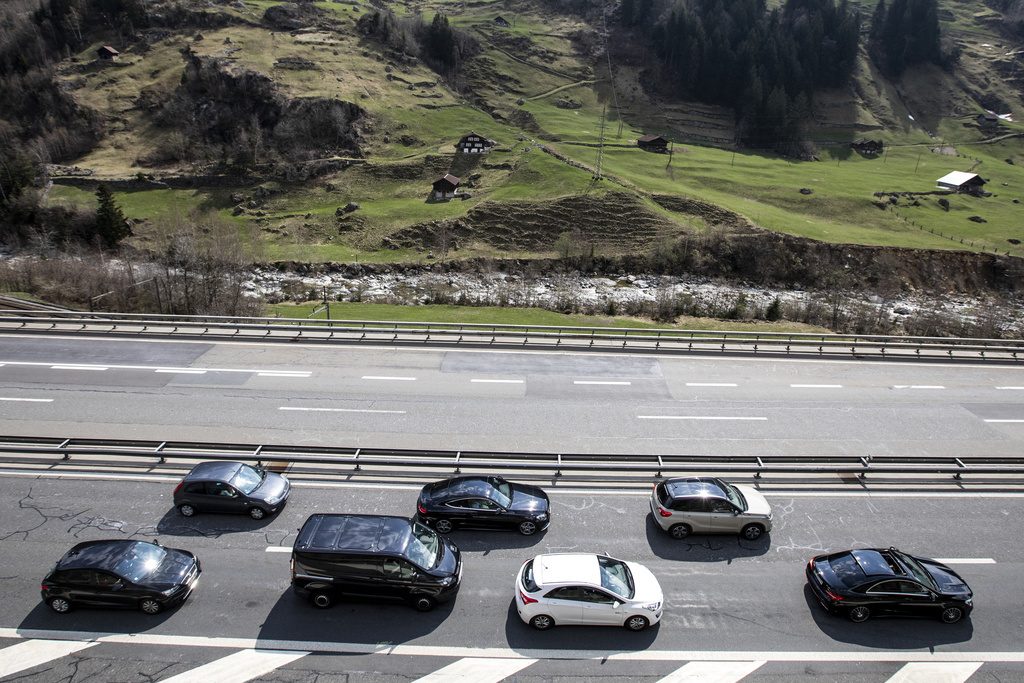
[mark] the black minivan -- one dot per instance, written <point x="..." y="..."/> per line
<point x="374" y="557"/>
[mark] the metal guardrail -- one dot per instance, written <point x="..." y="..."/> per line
<point x="476" y="335"/>
<point x="43" y="450"/>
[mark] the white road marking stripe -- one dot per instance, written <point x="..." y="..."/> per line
<point x="965" y="560"/>
<point x="816" y="386"/>
<point x="31" y="653"/>
<point x="238" y="668"/>
<point x="712" y="672"/>
<point x="1014" y="421"/>
<point x="28" y="400"/>
<point x="278" y="549"/>
<point x="918" y="386"/>
<point x="476" y="670"/>
<point x="498" y="381"/>
<point x="695" y="417"/>
<point x="154" y="368"/>
<point x="710" y="384"/>
<point x="180" y="371"/>
<point x="619" y="384"/>
<point x="1011" y="388"/>
<point x="508" y="653"/>
<point x="939" y="672"/>
<point x="400" y="379"/>
<point x="341" y="410"/>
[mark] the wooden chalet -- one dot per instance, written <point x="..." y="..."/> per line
<point x="472" y="143"/>
<point x="445" y="187"/>
<point x="500" y="21"/>
<point x="988" y="119"/>
<point x="865" y="146"/>
<point x="653" y="143"/>
<point x="959" y="181"/>
<point x="108" y="53"/>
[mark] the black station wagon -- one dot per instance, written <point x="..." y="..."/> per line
<point x="225" y="486"/>
<point x="121" y="573"/>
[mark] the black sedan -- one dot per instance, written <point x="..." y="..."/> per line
<point x="226" y="486"/>
<point x="871" y="582"/>
<point x="121" y="573"/>
<point x="485" y="503"/>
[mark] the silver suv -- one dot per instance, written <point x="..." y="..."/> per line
<point x="706" y="505"/>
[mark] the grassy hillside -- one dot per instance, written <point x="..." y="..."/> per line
<point x="927" y="121"/>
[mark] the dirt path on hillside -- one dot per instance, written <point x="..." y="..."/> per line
<point x="560" y="89"/>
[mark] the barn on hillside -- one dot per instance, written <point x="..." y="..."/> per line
<point x="471" y="143"/>
<point x="959" y="181"/>
<point x="108" y="53"/>
<point x="653" y="143"/>
<point x="445" y="187"/>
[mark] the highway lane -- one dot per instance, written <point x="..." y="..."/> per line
<point x="529" y="401"/>
<point x="721" y="593"/>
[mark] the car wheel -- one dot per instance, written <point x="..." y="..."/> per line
<point x="542" y="622"/>
<point x="444" y="526"/>
<point x="424" y="604"/>
<point x="150" y="606"/>
<point x="679" y="531"/>
<point x="257" y="512"/>
<point x="636" y="623"/>
<point x="323" y="600"/>
<point x="859" y="614"/>
<point x="752" y="532"/>
<point x="527" y="528"/>
<point x="186" y="510"/>
<point x="951" y="615"/>
<point x="60" y="605"/>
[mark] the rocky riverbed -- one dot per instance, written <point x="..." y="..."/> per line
<point x="657" y="295"/>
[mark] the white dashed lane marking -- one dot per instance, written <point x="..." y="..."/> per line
<point x="712" y="672"/>
<point x="697" y="417"/>
<point x="341" y="410"/>
<point x="27" y="400"/>
<point x="239" y="667"/>
<point x="32" y="653"/>
<point x="939" y="672"/>
<point x="476" y="670"/>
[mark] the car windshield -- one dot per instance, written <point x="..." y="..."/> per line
<point x="919" y="572"/>
<point x="503" y="491"/>
<point x="734" y="495"/>
<point x="248" y="478"/>
<point x="615" y="576"/>
<point x="424" y="547"/>
<point x="140" y="561"/>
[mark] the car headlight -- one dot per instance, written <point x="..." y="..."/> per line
<point x="969" y="602"/>
<point x="652" y="607"/>
<point x="170" y="591"/>
<point x="447" y="581"/>
<point x="542" y="516"/>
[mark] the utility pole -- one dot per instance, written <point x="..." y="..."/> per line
<point x="600" y="144"/>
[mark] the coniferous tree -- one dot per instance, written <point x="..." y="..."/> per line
<point x="111" y="225"/>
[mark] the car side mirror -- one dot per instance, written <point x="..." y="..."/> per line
<point x="736" y="513"/>
<point x="118" y="586"/>
<point x="616" y="605"/>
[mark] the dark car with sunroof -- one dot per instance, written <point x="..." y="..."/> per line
<point x="372" y="557"/>
<point x="121" y="573"/>
<point x="484" y="502"/>
<point x="227" y="486"/>
<point x="869" y="582"/>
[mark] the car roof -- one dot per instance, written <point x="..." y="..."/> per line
<point x="357" y="533"/>
<point x="693" y="487"/>
<point x="457" y="487"/>
<point x="216" y="469"/>
<point x="566" y="568"/>
<point x="97" y="555"/>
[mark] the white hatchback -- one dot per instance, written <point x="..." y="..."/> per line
<point x="582" y="588"/>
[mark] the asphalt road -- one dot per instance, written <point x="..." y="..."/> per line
<point x="520" y="401"/>
<point x="746" y="599"/>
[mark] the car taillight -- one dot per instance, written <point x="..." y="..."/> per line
<point x="832" y="596"/>
<point x="423" y="510"/>
<point x="44" y="587"/>
<point x="664" y="513"/>
<point x="178" y="487"/>
<point x="526" y="598"/>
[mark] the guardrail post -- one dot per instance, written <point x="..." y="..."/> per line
<point x="960" y="463"/>
<point x="866" y="462"/>
<point x="64" y="444"/>
<point x="661" y="466"/>
<point x="159" y="449"/>
<point x="558" y="472"/>
<point x="356" y="458"/>
<point x="458" y="456"/>
<point x="760" y="464"/>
